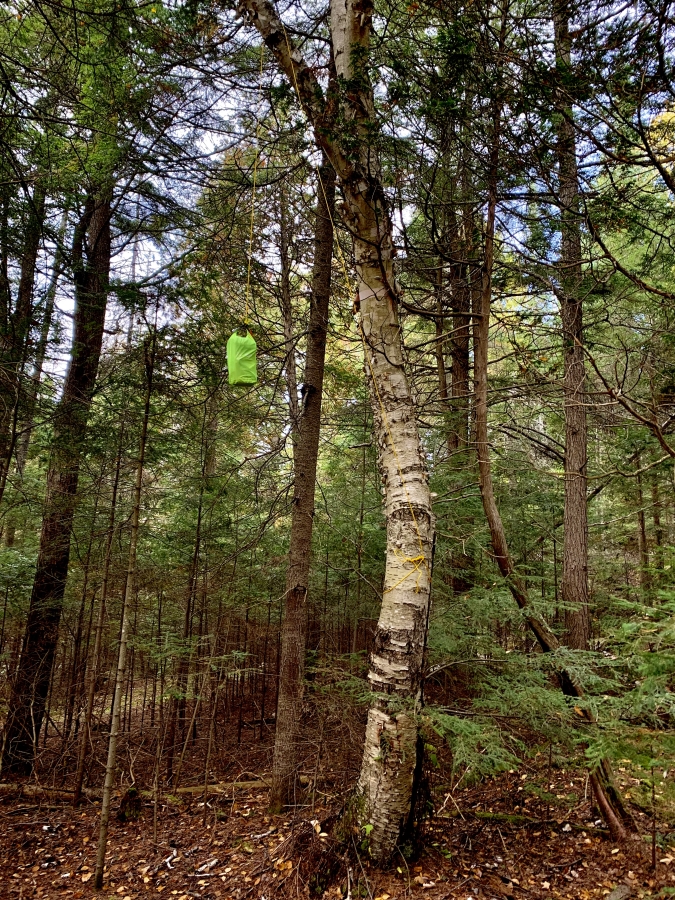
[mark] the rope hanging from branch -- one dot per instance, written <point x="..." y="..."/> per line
<point x="242" y="367"/>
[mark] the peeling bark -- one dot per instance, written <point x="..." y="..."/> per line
<point x="385" y="784"/>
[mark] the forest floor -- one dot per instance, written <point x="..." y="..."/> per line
<point x="519" y="835"/>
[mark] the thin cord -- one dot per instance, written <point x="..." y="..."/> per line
<point x="415" y="561"/>
<point x="255" y="178"/>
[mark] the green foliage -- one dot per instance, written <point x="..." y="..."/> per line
<point x="141" y="100"/>
<point x="478" y="749"/>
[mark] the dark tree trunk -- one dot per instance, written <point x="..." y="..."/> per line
<point x="78" y="661"/>
<point x="658" y="528"/>
<point x="95" y="667"/>
<point x="287" y="313"/>
<point x="129" y="588"/>
<point x="575" y="517"/>
<point x="460" y="303"/>
<point x="29" y="691"/>
<point x="441" y="338"/>
<point x="607" y="796"/>
<point x="40" y="352"/>
<point x="643" y="545"/>
<point x="5" y="292"/>
<point x="289" y="734"/>
<point x="15" y="335"/>
<point x="462" y="275"/>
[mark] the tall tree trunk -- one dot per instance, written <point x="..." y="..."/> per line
<point x="41" y="350"/>
<point x="658" y="527"/>
<point x="289" y="738"/>
<point x="31" y="684"/>
<point x="643" y="546"/>
<point x="94" y="668"/>
<point x="179" y="700"/>
<point x="391" y="749"/>
<point x="74" y="681"/>
<point x="575" y="516"/>
<point x="28" y="412"/>
<point x="15" y="336"/>
<point x="460" y="303"/>
<point x="150" y="346"/>
<point x="385" y="786"/>
<point x="462" y="276"/>
<point x="441" y="339"/>
<point x="608" y="798"/>
<point x="6" y="182"/>
<point x="287" y="313"/>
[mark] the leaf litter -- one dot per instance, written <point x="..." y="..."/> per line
<point x="488" y="841"/>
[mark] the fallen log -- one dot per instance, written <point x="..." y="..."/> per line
<point x="221" y="788"/>
<point x="36" y="790"/>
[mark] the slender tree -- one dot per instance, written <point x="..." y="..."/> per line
<point x="149" y="351"/>
<point x="289" y="738"/>
<point x="14" y="340"/>
<point x="91" y="252"/>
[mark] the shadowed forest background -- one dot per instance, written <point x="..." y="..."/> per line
<point x="496" y="451"/>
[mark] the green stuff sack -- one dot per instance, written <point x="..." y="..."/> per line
<point x="241" y="359"/>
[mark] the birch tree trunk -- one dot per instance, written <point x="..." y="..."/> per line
<point x="397" y="659"/>
<point x="385" y="785"/>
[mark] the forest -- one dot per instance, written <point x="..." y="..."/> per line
<point x="337" y="449"/>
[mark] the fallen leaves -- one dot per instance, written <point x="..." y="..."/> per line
<point x="284" y="866"/>
<point x="460" y="853"/>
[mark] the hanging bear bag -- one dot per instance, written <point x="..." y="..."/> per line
<point x="241" y="359"/>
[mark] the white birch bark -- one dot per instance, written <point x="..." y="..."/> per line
<point x="385" y="785"/>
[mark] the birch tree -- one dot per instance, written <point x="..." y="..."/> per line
<point x="345" y="128"/>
